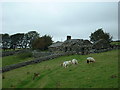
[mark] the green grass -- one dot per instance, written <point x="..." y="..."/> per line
<point x="52" y="75"/>
<point x="13" y="59"/>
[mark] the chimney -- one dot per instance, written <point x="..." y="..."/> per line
<point x="68" y="37"/>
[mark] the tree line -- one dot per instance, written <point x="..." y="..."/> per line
<point x="31" y="40"/>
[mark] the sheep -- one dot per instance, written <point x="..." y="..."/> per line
<point x="74" y="61"/>
<point x="90" y="60"/>
<point x="66" y="63"/>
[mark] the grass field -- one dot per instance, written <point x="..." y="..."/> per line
<point x="13" y="59"/>
<point x="102" y="74"/>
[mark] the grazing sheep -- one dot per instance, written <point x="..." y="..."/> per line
<point x="90" y="60"/>
<point x="74" y="61"/>
<point x="66" y="63"/>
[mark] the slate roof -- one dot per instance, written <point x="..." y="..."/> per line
<point x="77" y="41"/>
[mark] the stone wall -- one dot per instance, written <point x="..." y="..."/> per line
<point x="41" y="54"/>
<point x="37" y="60"/>
<point x="102" y="50"/>
<point x="115" y="46"/>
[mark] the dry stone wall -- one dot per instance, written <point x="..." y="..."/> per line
<point x="37" y="60"/>
<point x="41" y="54"/>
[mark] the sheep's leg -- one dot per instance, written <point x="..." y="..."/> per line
<point x="91" y="61"/>
<point x="87" y="61"/>
<point x="65" y="65"/>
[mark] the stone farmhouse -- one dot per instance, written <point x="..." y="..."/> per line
<point x="78" y="46"/>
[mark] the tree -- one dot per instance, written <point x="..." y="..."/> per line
<point x="17" y="40"/>
<point x="29" y="38"/>
<point x="20" y="40"/>
<point x="48" y="41"/>
<point x="5" y="40"/>
<point x="42" y="43"/>
<point x="100" y="34"/>
<point x="39" y="43"/>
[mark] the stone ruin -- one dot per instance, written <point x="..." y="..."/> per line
<point x="79" y="46"/>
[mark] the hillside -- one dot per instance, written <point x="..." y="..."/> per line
<point x="102" y="74"/>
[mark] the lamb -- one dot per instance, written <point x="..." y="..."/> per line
<point x="74" y="61"/>
<point x="90" y="60"/>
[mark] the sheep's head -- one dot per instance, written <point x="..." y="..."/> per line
<point x="70" y="62"/>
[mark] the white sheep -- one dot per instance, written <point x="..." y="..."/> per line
<point x="74" y="61"/>
<point x="66" y="63"/>
<point x="90" y="60"/>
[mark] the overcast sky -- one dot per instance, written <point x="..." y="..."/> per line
<point x="78" y="19"/>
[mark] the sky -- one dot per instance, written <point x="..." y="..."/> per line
<point x="59" y="19"/>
